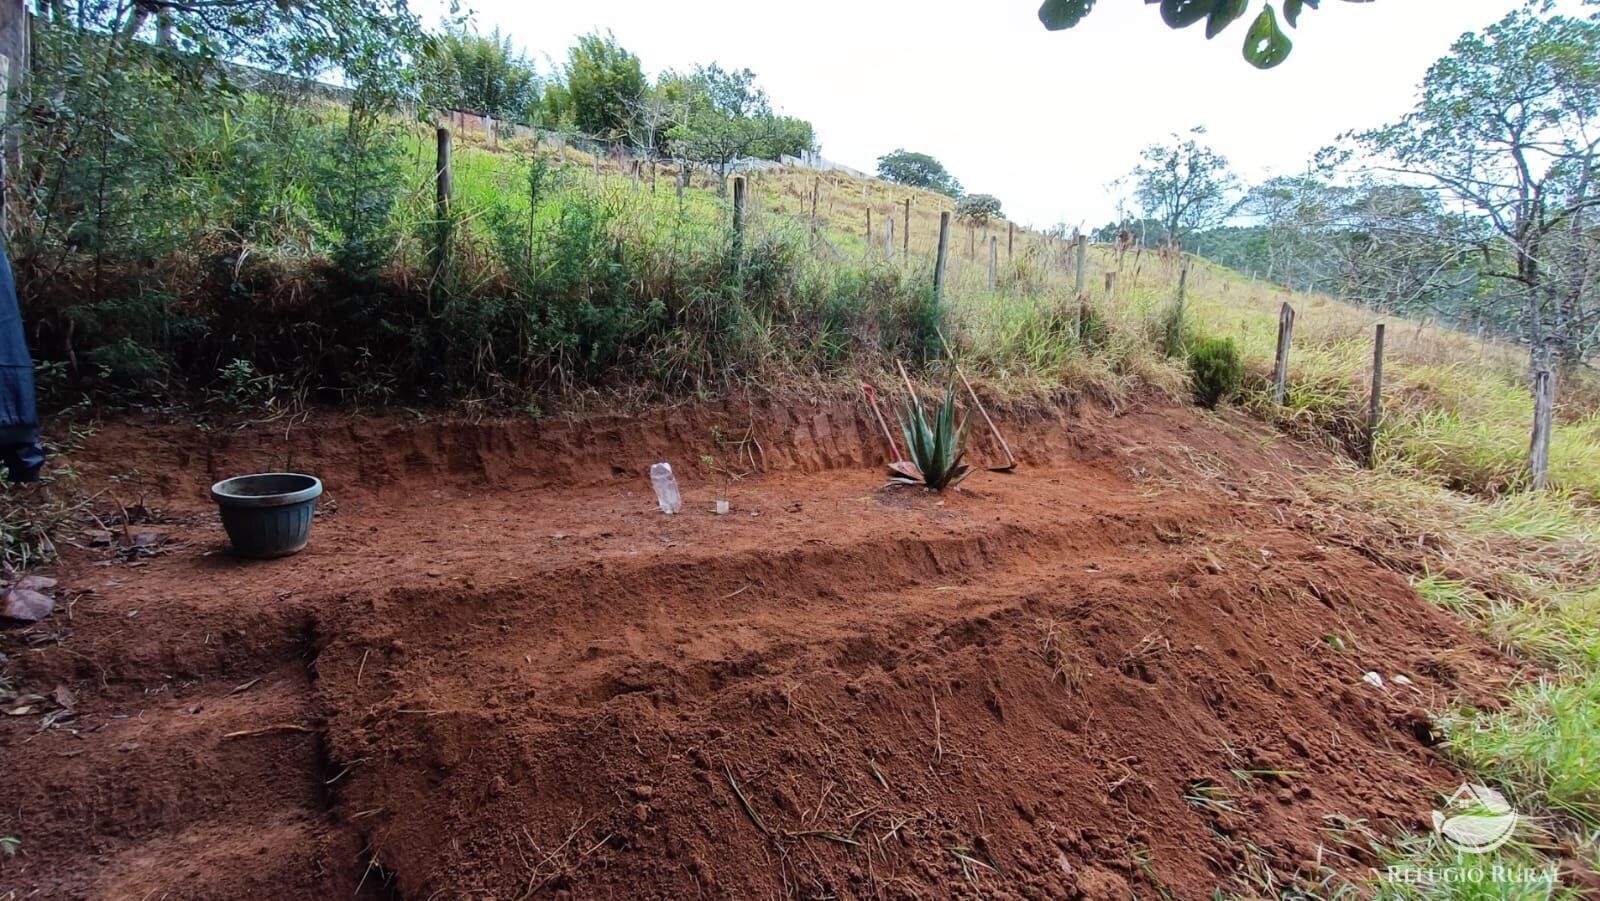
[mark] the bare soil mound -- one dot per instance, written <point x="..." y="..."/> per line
<point x="500" y="672"/>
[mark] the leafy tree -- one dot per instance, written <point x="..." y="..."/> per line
<point x="978" y="209"/>
<point x="604" y="83"/>
<point x="554" y="107"/>
<point x="1507" y="127"/>
<point x="731" y="93"/>
<point x="785" y="136"/>
<point x="649" y="119"/>
<point x="918" y="170"/>
<point x="1386" y="246"/>
<point x="1265" y="44"/>
<point x="726" y="117"/>
<point x="1394" y="247"/>
<point x="1146" y="231"/>
<point x="1184" y="184"/>
<point x="1295" y="211"/>
<point x="481" y="73"/>
<point x="305" y="37"/>
<point x="717" y="124"/>
<point x="112" y="121"/>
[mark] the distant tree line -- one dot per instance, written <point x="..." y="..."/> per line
<point x="709" y="114"/>
<point x="1477" y="208"/>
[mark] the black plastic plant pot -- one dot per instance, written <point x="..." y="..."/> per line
<point x="268" y="514"/>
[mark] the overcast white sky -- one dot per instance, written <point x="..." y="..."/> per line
<point x="1046" y="121"/>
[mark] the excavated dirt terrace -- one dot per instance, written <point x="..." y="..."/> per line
<point x="1132" y="667"/>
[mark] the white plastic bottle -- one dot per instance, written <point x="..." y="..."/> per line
<point x="666" y="487"/>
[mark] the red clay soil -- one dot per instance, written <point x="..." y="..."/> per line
<point x="1131" y="667"/>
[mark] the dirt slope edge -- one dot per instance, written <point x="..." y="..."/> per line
<point x="1129" y="667"/>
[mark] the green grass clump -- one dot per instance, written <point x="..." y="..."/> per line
<point x="1216" y="370"/>
<point x="1536" y="621"/>
<point x="1545" y="743"/>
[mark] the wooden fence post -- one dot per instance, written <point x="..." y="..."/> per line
<point x="972" y="242"/>
<point x="683" y="180"/>
<point x="905" y="239"/>
<point x="444" y="173"/>
<point x="738" y="217"/>
<point x="994" y="254"/>
<point x="942" y="258"/>
<point x="868" y="241"/>
<point x="816" y="190"/>
<point x="444" y="186"/>
<point x="1375" y="405"/>
<point x="1083" y="263"/>
<point x="1183" y="290"/>
<point x="1544" y="407"/>
<point x="1011" y="239"/>
<point x="1280" y="371"/>
<point x="1111" y="284"/>
<point x="888" y="237"/>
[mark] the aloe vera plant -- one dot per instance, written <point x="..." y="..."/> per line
<point x="936" y="446"/>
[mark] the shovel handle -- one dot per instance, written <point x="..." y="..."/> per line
<point x="872" y="400"/>
<point x="1011" y="461"/>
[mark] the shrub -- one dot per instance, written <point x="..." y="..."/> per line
<point x="978" y="209"/>
<point x="131" y="342"/>
<point x="911" y="324"/>
<point x="359" y="178"/>
<point x="1216" y="370"/>
<point x="567" y="308"/>
<point x="243" y="386"/>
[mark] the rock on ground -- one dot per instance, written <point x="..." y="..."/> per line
<point x="26" y="605"/>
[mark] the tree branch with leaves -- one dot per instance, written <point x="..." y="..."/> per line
<point x="1265" y="43"/>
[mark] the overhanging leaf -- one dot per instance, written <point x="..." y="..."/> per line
<point x="1224" y="14"/>
<point x="1266" y="45"/>
<point x="1060" y="14"/>
<point x="1183" y="13"/>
